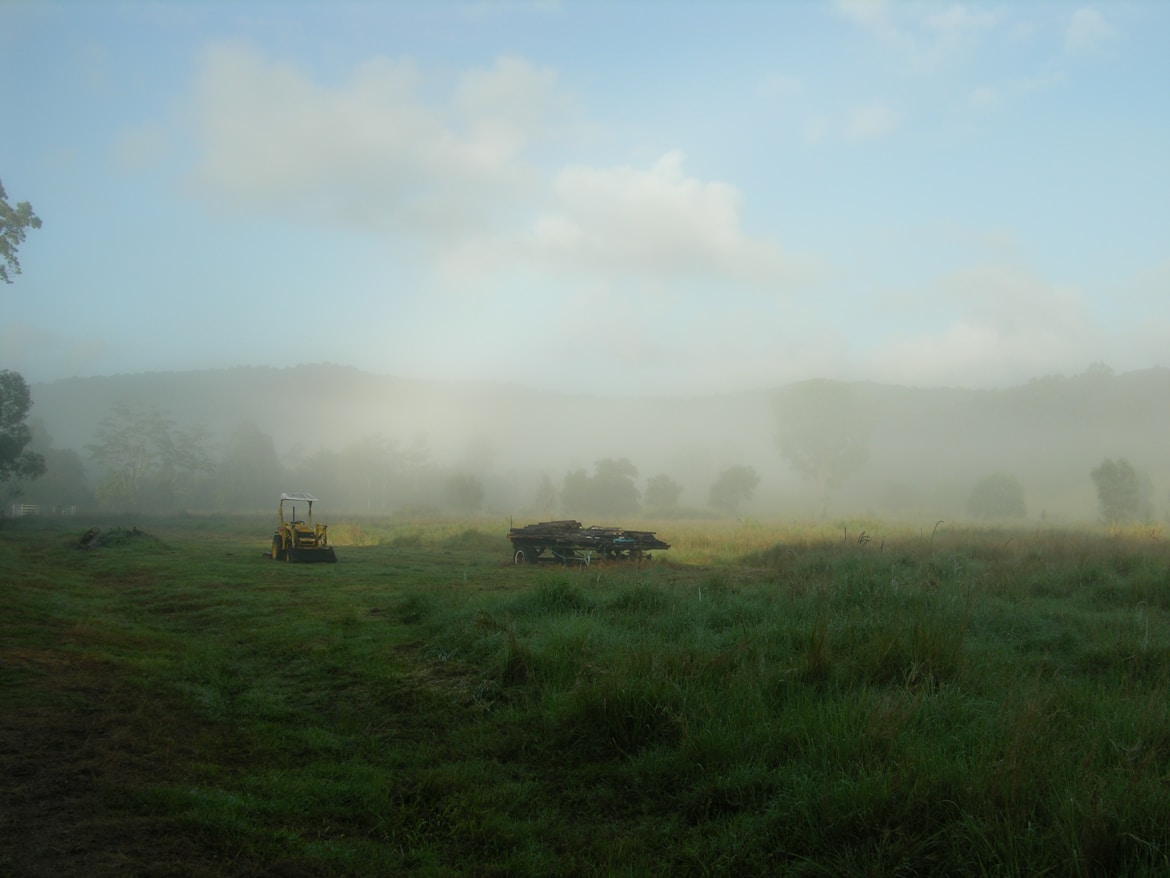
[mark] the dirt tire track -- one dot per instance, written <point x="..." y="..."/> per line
<point x="75" y="745"/>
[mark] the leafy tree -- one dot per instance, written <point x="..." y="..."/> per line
<point x="734" y="485"/>
<point x="662" y="492"/>
<point x="999" y="495"/>
<point x="16" y="460"/>
<point x="64" y="482"/>
<point x="249" y="474"/>
<point x="14" y="223"/>
<point x="610" y="490"/>
<point x="614" y="490"/>
<point x="125" y="446"/>
<point x="185" y="475"/>
<point x="317" y="473"/>
<point x="419" y="484"/>
<point x="1122" y="494"/>
<point x="577" y="492"/>
<point x="546" y="494"/>
<point x="464" y="493"/>
<point x="148" y="462"/>
<point x="369" y="475"/>
<point x="824" y="434"/>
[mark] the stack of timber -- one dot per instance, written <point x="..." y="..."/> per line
<point x="569" y="542"/>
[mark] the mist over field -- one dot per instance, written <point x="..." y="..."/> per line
<point x="369" y="443"/>
<point x="589" y="259"/>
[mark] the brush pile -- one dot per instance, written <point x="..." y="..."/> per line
<point x="95" y="537"/>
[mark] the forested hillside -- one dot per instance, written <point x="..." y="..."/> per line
<point x="382" y="444"/>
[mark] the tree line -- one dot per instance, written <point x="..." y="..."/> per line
<point x="141" y="460"/>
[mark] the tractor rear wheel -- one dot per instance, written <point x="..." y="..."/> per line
<point x="277" y="550"/>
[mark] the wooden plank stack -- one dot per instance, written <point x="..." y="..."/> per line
<point x="569" y="540"/>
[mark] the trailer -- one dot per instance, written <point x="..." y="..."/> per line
<point x="569" y="542"/>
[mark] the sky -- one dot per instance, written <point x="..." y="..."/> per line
<point x="624" y="199"/>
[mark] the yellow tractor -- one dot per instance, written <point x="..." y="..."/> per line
<point x="299" y="540"/>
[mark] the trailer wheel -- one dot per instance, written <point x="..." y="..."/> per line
<point x="524" y="556"/>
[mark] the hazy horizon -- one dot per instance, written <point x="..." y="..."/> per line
<point x="920" y="452"/>
<point x="608" y="198"/>
<point x="667" y="394"/>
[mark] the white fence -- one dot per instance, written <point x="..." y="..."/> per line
<point x="20" y="510"/>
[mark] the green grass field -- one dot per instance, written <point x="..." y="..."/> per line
<point x="761" y="699"/>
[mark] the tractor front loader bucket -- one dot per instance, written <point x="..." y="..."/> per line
<point x="314" y="555"/>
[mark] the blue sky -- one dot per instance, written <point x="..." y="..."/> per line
<point x="620" y="198"/>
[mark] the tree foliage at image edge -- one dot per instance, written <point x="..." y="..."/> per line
<point x="14" y="224"/>
<point x="15" y="401"/>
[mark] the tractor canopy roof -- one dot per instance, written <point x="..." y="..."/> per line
<point x="299" y="496"/>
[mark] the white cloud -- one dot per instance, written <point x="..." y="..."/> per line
<point x="455" y="174"/>
<point x="644" y="230"/>
<point x="1001" y="323"/>
<point x="867" y="13"/>
<point x="875" y="119"/>
<point x="958" y="22"/>
<point x="654" y="223"/>
<point x="924" y="36"/>
<point x="508" y="106"/>
<point x="369" y="152"/>
<point x="1015" y="301"/>
<point x="1087" y="32"/>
